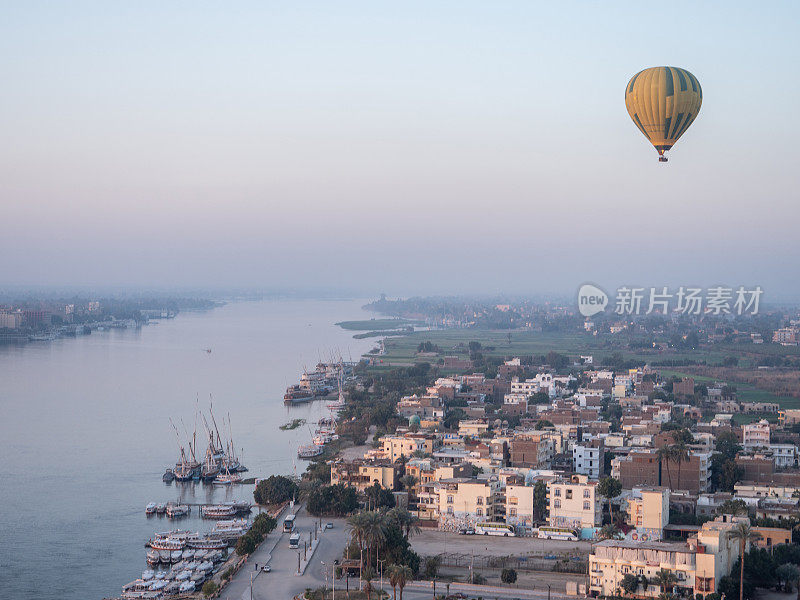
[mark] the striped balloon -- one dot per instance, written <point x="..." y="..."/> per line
<point x="663" y="102"/>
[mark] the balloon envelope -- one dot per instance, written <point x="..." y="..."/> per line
<point x="663" y="102"/>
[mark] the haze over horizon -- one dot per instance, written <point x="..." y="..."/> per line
<point x="415" y="148"/>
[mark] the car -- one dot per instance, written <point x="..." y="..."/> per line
<point x="266" y="568"/>
<point x="329" y="525"/>
<point x="466" y="531"/>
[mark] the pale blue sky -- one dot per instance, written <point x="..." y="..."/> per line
<point x="405" y="147"/>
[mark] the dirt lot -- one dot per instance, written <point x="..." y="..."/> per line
<point x="432" y="541"/>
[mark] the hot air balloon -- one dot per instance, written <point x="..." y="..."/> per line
<point x="663" y="102"/>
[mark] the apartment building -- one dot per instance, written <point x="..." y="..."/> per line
<point x="574" y="502"/>
<point x="697" y="564"/>
<point x="394" y="447"/>
<point x="531" y="450"/>
<point x="588" y="458"/>
<point x="648" y="513"/>
<point x="362" y="474"/>
<point x="519" y="505"/>
<point x="464" y="501"/>
<point x="755" y="435"/>
<point x="642" y="467"/>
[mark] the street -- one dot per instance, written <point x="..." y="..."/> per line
<point x="429" y="542"/>
<point x="282" y="582"/>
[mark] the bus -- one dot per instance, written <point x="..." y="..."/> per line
<point x="495" y="529"/>
<point x="558" y="533"/>
<point x="288" y="523"/>
<point x="294" y="540"/>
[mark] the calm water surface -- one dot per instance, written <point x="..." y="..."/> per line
<point x="85" y="433"/>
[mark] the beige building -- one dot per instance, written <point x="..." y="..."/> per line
<point x="648" y="513"/>
<point x="519" y="505"/>
<point x="465" y="501"/>
<point x="472" y="428"/>
<point x="393" y="447"/>
<point x="574" y="502"/>
<point x="697" y="564"/>
<point x="362" y="474"/>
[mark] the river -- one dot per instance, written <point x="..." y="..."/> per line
<point x="85" y="432"/>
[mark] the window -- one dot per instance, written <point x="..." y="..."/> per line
<point x="585" y="505"/>
<point x="449" y="499"/>
<point x="557" y="492"/>
<point x="480" y="501"/>
<point x="479" y="512"/>
<point x="557" y="503"/>
<point x="569" y="494"/>
<point x="586" y="494"/>
<point x="449" y="510"/>
<point x="512" y="500"/>
<point x="513" y="512"/>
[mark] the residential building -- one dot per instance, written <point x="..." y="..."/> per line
<point x="464" y="501"/>
<point x="648" y="513"/>
<point x="362" y="474"/>
<point x="396" y="446"/>
<point x="574" y="502"/>
<point x="588" y="458"/>
<point x="532" y="450"/>
<point x="755" y="435"/>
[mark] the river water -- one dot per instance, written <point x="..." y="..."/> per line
<point x="85" y="433"/>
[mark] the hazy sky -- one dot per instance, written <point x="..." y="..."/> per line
<point x="405" y="147"/>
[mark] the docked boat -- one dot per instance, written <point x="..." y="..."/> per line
<point x="183" y="575"/>
<point x="148" y="575"/>
<point x="150" y="509"/>
<point x="158" y="585"/>
<point x="208" y="543"/>
<point x="172" y="588"/>
<point x="153" y="557"/>
<point x="175" y="556"/>
<point x="167" y="543"/>
<point x="198" y="577"/>
<point x="228" y="478"/>
<point x="161" y="574"/>
<point x="187" y="586"/>
<point x="297" y="395"/>
<point x="309" y="451"/>
<point x="218" y="511"/>
<point x="168" y="476"/>
<point x="165" y="556"/>
<point x="161" y="509"/>
<point x="175" y="511"/>
<point x="188" y="554"/>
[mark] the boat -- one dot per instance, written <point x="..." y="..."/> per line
<point x="164" y="556"/>
<point x="150" y="509"/>
<point x="208" y="543"/>
<point x="309" y="451"/>
<point x="161" y="574"/>
<point x="175" y="511"/>
<point x="228" y="478"/>
<point x="172" y="588"/>
<point x="168" y="476"/>
<point x="158" y="585"/>
<point x="161" y="509"/>
<point x="183" y="575"/>
<point x="153" y="557"/>
<point x="188" y="554"/>
<point x="230" y="524"/>
<point x="187" y="586"/>
<point x="297" y="395"/>
<point x="148" y="575"/>
<point x="218" y="511"/>
<point x="167" y="544"/>
<point x="175" y="556"/>
<point x="198" y="577"/>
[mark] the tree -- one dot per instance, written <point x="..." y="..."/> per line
<point x="508" y="576"/>
<point x="608" y="532"/>
<point x="539" y="499"/>
<point x="274" y="490"/>
<point x="744" y="534"/>
<point x="338" y="500"/>
<point x="404" y="574"/>
<point x="665" y="580"/>
<point x="379" y="497"/>
<point x="394" y="579"/>
<point x="609" y="488"/>
<point x="357" y="523"/>
<point x="680" y="454"/>
<point x="406" y="522"/>
<point x="210" y="588"/>
<point x="787" y="574"/>
<point x="432" y="566"/>
<point x="629" y="584"/>
<point x="665" y="455"/>
<point x="367" y="576"/>
<point x="733" y="507"/>
<point x="542" y="424"/>
<point x="375" y="526"/>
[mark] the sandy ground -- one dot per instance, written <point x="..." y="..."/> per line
<point x="430" y="542"/>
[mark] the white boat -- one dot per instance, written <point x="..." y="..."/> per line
<point x="218" y="511"/>
<point x="187" y="586"/>
<point x="183" y="575"/>
<point x="158" y="585"/>
<point x="150" y="509"/>
<point x="208" y="543"/>
<point x="167" y="544"/>
<point x="309" y="451"/>
<point x="153" y="557"/>
<point x="228" y="478"/>
<point x="188" y="554"/>
<point x="172" y="588"/>
<point x="175" y="556"/>
<point x="148" y="575"/>
<point x="161" y="574"/>
<point x="198" y="577"/>
<point x="161" y="509"/>
<point x="230" y="524"/>
<point x="164" y="556"/>
<point x="205" y="566"/>
<point x="175" y="511"/>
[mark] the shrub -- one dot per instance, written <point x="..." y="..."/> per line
<point x="209" y="588"/>
<point x="274" y="490"/>
<point x="508" y="576"/>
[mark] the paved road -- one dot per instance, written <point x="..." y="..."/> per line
<point x="282" y="583"/>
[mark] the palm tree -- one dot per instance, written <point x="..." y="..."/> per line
<point x="408" y="481"/>
<point x="665" y="580"/>
<point x="368" y="576"/>
<point x="374" y="532"/>
<point x="404" y="575"/>
<point x="357" y="524"/>
<point x="744" y="534"/>
<point x="394" y="578"/>
<point x="680" y="454"/>
<point x="405" y="521"/>
<point x="665" y="455"/>
<point x="608" y="532"/>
